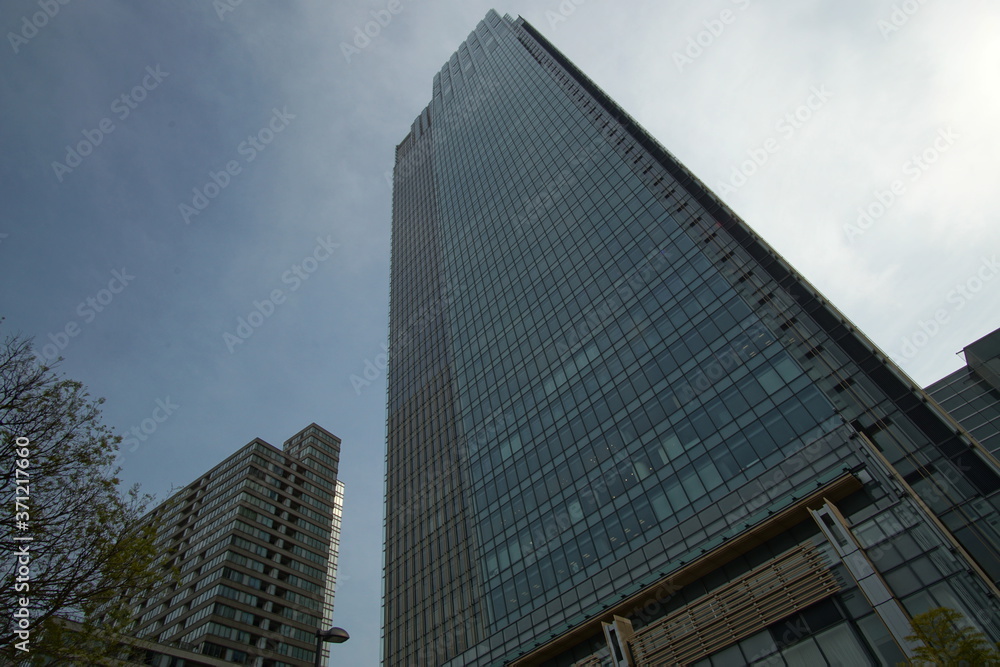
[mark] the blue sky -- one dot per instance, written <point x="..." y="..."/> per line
<point x="797" y="113"/>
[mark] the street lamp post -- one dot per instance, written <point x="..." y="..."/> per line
<point x="333" y="636"/>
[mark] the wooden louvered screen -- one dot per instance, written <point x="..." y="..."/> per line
<point x="785" y="584"/>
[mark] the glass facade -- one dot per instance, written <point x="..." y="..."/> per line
<point x="972" y="394"/>
<point x="599" y="378"/>
<point x="254" y="542"/>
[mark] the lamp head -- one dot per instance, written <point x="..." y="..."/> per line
<point x="333" y="635"/>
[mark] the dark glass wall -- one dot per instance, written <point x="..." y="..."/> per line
<point x="972" y="394"/>
<point x="432" y="602"/>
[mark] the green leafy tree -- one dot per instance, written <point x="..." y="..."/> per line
<point x="81" y="541"/>
<point x="946" y="638"/>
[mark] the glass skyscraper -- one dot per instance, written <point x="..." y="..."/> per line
<point x="623" y="430"/>
<point x="254" y="542"/>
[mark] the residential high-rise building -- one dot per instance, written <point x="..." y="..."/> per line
<point x="621" y="428"/>
<point x="254" y="544"/>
